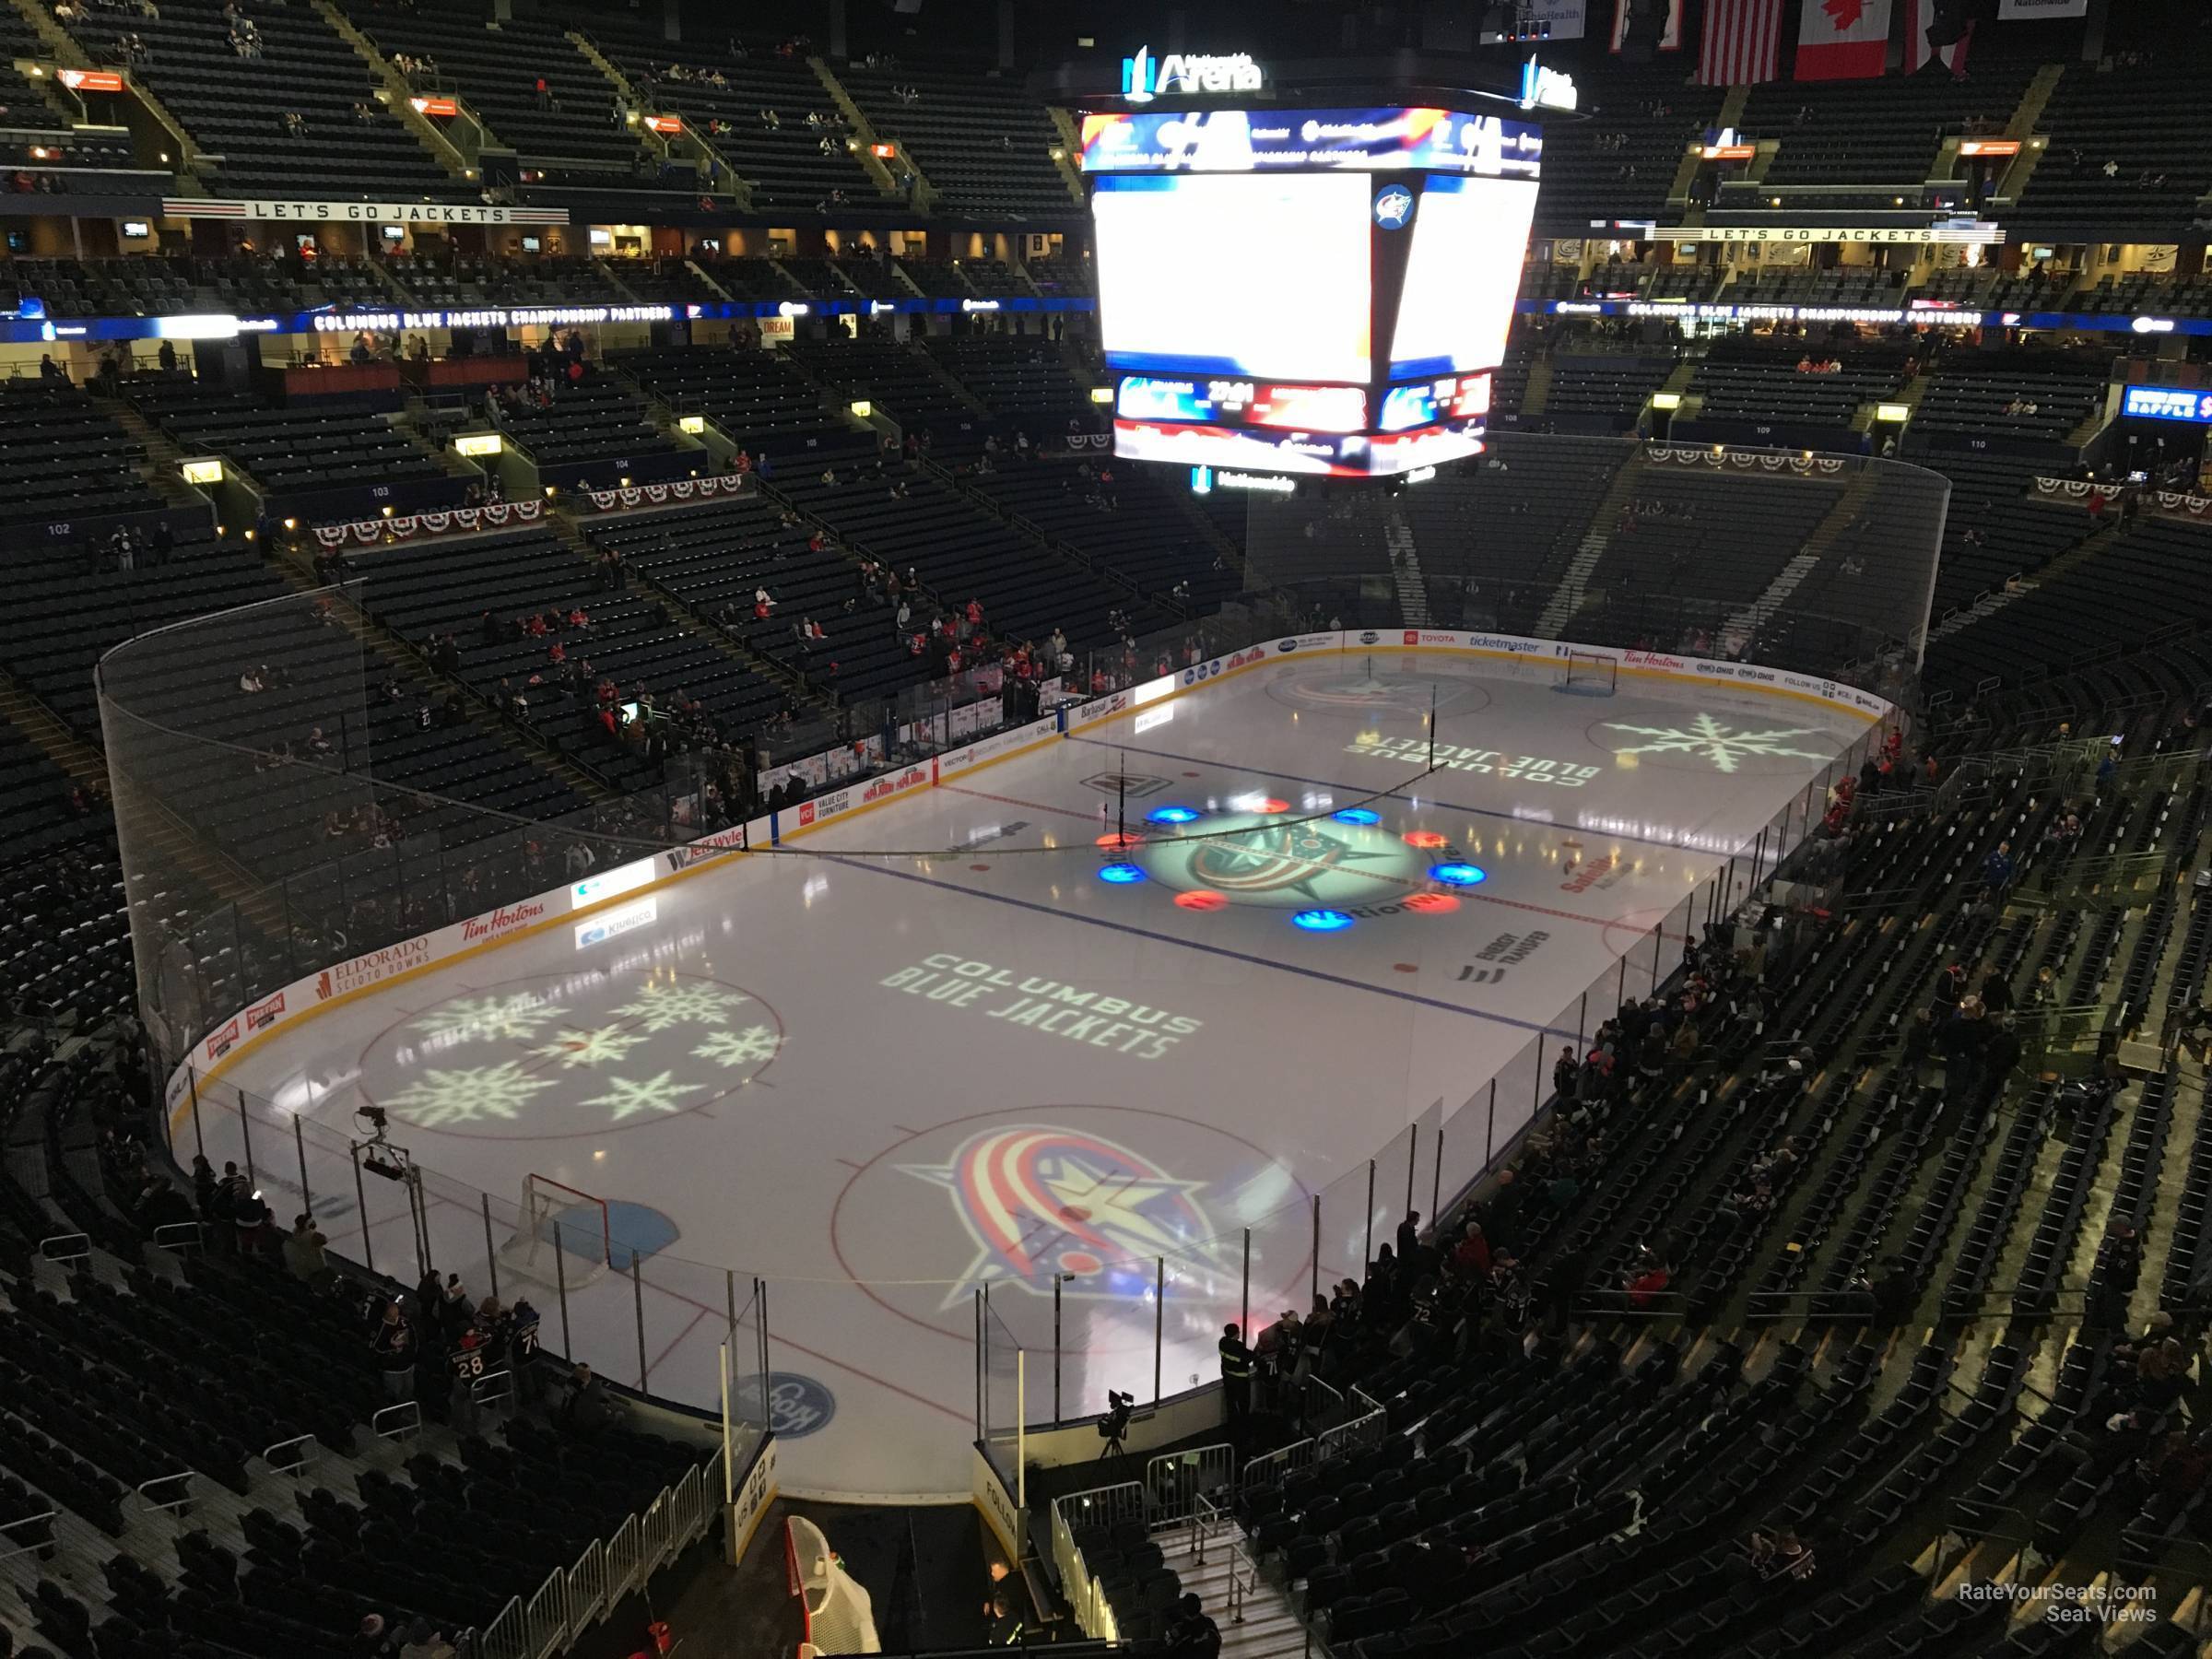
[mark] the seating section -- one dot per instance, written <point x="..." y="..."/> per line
<point x="233" y="93"/>
<point x="2024" y="397"/>
<point x="73" y="461"/>
<point x="1885" y="132"/>
<point x="961" y="551"/>
<point x="565" y="135"/>
<point x="1600" y="392"/>
<point x="1494" y="541"/>
<point x="2120" y="595"/>
<point x="631" y="642"/>
<point x="1750" y="384"/>
<point x="1699" y="539"/>
<point x="715" y="558"/>
<point x="162" y="285"/>
<point x="1620" y="161"/>
<point x="1023" y="380"/>
<point x="463" y="280"/>
<point x="294" y="455"/>
<point x="1996" y="530"/>
<point x="596" y="433"/>
<point x="750" y="101"/>
<point x="981" y="141"/>
<point x="2093" y="124"/>
<point x="904" y="384"/>
<point x="1122" y="519"/>
<point x="146" y="1377"/>
<point x="760" y="399"/>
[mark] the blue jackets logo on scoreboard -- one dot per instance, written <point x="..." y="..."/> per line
<point x="1393" y="207"/>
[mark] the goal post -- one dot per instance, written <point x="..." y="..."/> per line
<point x="556" y="1216"/>
<point x="836" y="1614"/>
<point x="1587" y="672"/>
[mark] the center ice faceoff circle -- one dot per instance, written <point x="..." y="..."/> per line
<point x="1096" y="1197"/>
<point x="571" y="1055"/>
<point x="1248" y="858"/>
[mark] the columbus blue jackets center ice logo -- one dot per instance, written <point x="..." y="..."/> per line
<point x="1039" y="1200"/>
<point x="1393" y="207"/>
<point x="1294" y="857"/>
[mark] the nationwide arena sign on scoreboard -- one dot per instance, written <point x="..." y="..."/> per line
<point x="1320" y="291"/>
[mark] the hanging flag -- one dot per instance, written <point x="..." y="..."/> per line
<point x="1919" y="13"/>
<point x="1843" y="39"/>
<point x="1742" y="42"/>
<point x="1670" y="34"/>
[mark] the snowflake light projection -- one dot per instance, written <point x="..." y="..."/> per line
<point x="756" y="1045"/>
<point x="572" y="1054"/>
<point x="467" y="1095"/>
<point x="514" y="1019"/>
<point x="1724" y="746"/>
<point x="625" y="1099"/>
<point x="660" y="1007"/>
<point x="604" y="1046"/>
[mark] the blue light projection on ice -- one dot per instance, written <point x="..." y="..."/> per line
<point x="1457" y="875"/>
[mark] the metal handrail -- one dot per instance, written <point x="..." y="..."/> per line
<point x="478" y="1388"/>
<point x="269" y="1454"/>
<point x="181" y="1235"/>
<point x="405" y="1419"/>
<point x="145" y="1489"/>
<point x="49" y="1252"/>
<point x="28" y="1521"/>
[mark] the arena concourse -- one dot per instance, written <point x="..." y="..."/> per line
<point x="1264" y="829"/>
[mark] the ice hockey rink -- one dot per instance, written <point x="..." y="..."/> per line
<point x="925" y="1046"/>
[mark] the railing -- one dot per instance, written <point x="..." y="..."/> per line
<point x="65" y="1247"/>
<point x="1360" y="1433"/>
<point x="180" y="1236"/>
<point x="292" y="1466"/>
<point x="397" y="1422"/>
<point x="182" y="1481"/>
<point x="40" y="1534"/>
<point x="573" y="1597"/>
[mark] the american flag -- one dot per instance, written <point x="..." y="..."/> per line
<point x="1743" y="42"/>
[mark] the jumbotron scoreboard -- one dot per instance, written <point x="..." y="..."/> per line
<point x="1320" y="291"/>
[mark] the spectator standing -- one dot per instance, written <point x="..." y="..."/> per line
<point x="1236" y="1379"/>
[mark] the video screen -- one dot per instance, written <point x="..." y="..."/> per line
<point x="1319" y="455"/>
<point x="1194" y="278"/>
<point x="1469" y="236"/>
<point x="1243" y="403"/>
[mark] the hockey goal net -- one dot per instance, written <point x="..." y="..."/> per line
<point x="1586" y="672"/>
<point x="564" y="1237"/>
<point x="839" y="1617"/>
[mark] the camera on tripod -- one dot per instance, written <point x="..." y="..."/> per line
<point x="1113" y="1427"/>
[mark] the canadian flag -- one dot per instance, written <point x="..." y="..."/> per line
<point x="1843" y="39"/>
<point x="1918" y="15"/>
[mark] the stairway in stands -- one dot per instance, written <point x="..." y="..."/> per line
<point x="1574" y="584"/>
<point x="1255" y="1614"/>
<point x="1406" y="568"/>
